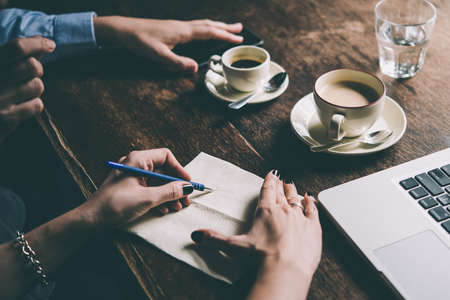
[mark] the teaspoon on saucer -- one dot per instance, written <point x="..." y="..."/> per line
<point x="269" y="87"/>
<point x="371" y="138"/>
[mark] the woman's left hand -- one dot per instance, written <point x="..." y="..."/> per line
<point x="155" y="39"/>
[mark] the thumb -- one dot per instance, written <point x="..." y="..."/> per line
<point x="234" y="244"/>
<point x="169" y="192"/>
<point x="20" y="48"/>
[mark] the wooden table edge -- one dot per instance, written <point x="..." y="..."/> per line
<point x="88" y="187"/>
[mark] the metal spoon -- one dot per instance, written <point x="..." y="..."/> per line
<point x="269" y="87"/>
<point x="371" y="138"/>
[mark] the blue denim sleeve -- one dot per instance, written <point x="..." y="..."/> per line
<point x="73" y="33"/>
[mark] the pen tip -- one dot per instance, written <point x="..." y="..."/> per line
<point x="208" y="189"/>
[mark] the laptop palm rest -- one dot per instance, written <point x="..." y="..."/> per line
<point x="418" y="263"/>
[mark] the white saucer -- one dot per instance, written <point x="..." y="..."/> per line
<point x="217" y="86"/>
<point x="306" y="125"/>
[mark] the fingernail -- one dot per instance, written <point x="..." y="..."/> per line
<point x="276" y="173"/>
<point x="185" y="201"/>
<point x="197" y="236"/>
<point x="188" y="189"/>
<point x="51" y="44"/>
<point x="164" y="210"/>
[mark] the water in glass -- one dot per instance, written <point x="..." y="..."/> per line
<point x="401" y="49"/>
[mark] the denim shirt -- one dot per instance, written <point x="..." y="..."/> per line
<point x="73" y="33"/>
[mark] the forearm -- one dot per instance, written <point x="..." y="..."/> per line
<point x="280" y="281"/>
<point x="72" y="33"/>
<point x="53" y="243"/>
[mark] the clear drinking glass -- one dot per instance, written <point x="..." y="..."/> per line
<point x="403" y="29"/>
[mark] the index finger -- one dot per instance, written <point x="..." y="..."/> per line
<point x="235" y="27"/>
<point x="20" y="48"/>
<point x="211" y="32"/>
<point x="164" y="158"/>
<point x="268" y="194"/>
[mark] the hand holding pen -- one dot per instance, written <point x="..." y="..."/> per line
<point x="144" y="173"/>
<point x="171" y="165"/>
<point x="121" y="199"/>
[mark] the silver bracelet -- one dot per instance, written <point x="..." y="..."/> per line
<point x="30" y="257"/>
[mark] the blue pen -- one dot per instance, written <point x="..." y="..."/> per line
<point x="144" y="173"/>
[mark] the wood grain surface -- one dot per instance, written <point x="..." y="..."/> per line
<point x="101" y="106"/>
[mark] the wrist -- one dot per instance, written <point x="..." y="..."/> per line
<point x="89" y="216"/>
<point x="280" y="280"/>
<point x="107" y="30"/>
<point x="276" y="265"/>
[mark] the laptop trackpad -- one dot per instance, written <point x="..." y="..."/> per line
<point x="420" y="264"/>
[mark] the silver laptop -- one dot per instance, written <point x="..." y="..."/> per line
<point x="400" y="220"/>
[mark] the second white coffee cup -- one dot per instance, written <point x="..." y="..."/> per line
<point x="243" y="67"/>
<point x="348" y="101"/>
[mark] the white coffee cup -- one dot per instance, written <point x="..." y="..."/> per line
<point x="344" y="120"/>
<point x="242" y="79"/>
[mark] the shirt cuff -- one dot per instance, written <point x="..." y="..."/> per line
<point x="74" y="33"/>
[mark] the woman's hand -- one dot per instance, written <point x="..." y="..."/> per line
<point x="286" y="239"/>
<point x="20" y="80"/>
<point x="155" y="39"/>
<point x="122" y="198"/>
<point x="119" y="200"/>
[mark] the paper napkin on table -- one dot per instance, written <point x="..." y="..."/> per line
<point x="227" y="209"/>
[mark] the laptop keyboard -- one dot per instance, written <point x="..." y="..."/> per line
<point x="432" y="192"/>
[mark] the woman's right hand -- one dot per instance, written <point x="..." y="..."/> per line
<point x="286" y="239"/>
<point x="122" y="198"/>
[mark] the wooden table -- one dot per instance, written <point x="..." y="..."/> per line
<point x="102" y="106"/>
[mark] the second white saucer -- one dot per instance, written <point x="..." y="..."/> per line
<point x="309" y="129"/>
<point x="217" y="87"/>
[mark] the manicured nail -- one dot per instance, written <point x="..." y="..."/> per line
<point x="276" y="173"/>
<point x="197" y="236"/>
<point x="188" y="189"/>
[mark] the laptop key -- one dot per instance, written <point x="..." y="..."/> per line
<point x="429" y="184"/>
<point x="446" y="169"/>
<point x="418" y="192"/>
<point x="446" y="225"/>
<point x="409" y="183"/>
<point x="444" y="199"/>
<point x="447" y="189"/>
<point x="428" y="202"/>
<point x="439" y="177"/>
<point x="439" y="213"/>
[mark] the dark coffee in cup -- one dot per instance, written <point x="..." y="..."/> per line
<point x="245" y="63"/>
<point x="243" y="67"/>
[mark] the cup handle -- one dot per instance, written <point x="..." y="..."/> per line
<point x="334" y="132"/>
<point x="215" y="64"/>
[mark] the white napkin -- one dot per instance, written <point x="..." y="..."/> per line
<point x="226" y="210"/>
